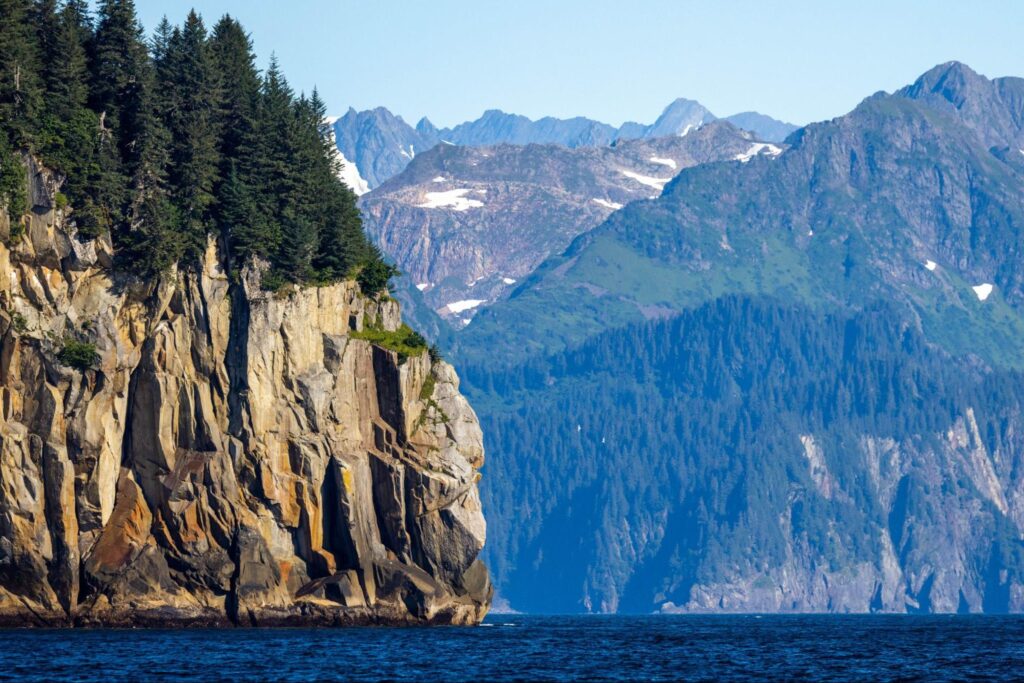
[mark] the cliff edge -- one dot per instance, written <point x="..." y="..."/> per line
<point x="197" y="451"/>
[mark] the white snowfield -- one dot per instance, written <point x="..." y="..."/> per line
<point x="465" y="305"/>
<point x="508" y="280"/>
<point x="656" y="183"/>
<point x="440" y="179"/>
<point x="423" y="285"/>
<point x="349" y="175"/>
<point x="756" y="149"/>
<point x="930" y="265"/>
<point x="615" y="206"/>
<point x="671" y="163"/>
<point x="456" y="200"/>
<point x="410" y="155"/>
<point x="690" y="128"/>
<point x="983" y="290"/>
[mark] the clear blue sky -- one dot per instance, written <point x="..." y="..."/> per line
<point x="615" y="60"/>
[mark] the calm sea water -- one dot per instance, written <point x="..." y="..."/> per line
<point x="697" y="648"/>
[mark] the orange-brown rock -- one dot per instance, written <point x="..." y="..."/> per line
<point x="233" y="456"/>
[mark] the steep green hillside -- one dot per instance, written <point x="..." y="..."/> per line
<point x="750" y="455"/>
<point x="851" y="212"/>
<point x="788" y="383"/>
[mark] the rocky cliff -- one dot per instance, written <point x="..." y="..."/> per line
<point x="198" y="451"/>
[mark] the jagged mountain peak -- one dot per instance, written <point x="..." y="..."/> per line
<point x="992" y="108"/>
<point x="680" y="117"/>
<point x="954" y="81"/>
<point x="380" y="144"/>
<point x="425" y="127"/>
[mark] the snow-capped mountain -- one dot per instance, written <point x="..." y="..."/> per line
<point x="378" y="144"/>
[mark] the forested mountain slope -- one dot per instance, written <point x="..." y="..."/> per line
<point x="914" y="196"/>
<point x="785" y="384"/>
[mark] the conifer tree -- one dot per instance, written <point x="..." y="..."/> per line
<point x="66" y="71"/>
<point x="119" y="62"/>
<point x="193" y="116"/>
<point x="276" y="177"/>
<point x="20" y="91"/>
<point x="163" y="144"/>
<point x="235" y="63"/>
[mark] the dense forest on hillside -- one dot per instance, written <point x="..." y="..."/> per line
<point x="735" y="440"/>
<point x="165" y="141"/>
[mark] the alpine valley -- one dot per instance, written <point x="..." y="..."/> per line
<point x="788" y="382"/>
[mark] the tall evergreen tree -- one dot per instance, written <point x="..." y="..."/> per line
<point x="235" y="62"/>
<point x="20" y="90"/>
<point x="68" y="128"/>
<point x="240" y="223"/>
<point x="119" y="64"/>
<point x="66" y="71"/>
<point x="192" y="117"/>
<point x="276" y="177"/>
<point x="123" y="91"/>
<point x="163" y="143"/>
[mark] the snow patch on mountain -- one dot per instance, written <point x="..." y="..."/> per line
<point x="423" y="285"/>
<point x="656" y="183"/>
<point x="614" y="206"/>
<point x="508" y="280"/>
<point x="349" y="175"/>
<point x="983" y="290"/>
<point x="671" y="163"/>
<point x="755" y="149"/>
<point x="454" y="199"/>
<point x="440" y="179"/>
<point x="465" y="305"/>
<point x="930" y="265"/>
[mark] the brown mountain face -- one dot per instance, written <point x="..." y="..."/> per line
<point x="466" y="224"/>
<point x="198" y="451"/>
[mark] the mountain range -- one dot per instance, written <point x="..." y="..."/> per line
<point x="790" y="383"/>
<point x="467" y="224"/>
<point x="380" y="144"/>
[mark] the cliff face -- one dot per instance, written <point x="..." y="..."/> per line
<point x="232" y="456"/>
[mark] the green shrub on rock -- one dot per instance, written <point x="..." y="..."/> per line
<point x="78" y="354"/>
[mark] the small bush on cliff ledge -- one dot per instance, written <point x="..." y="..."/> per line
<point x="374" y="277"/>
<point x="78" y="354"/>
<point x="19" y="323"/>
<point x="404" y="341"/>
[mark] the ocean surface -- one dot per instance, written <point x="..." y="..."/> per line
<point x="528" y="648"/>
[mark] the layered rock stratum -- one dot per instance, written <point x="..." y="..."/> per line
<point x="231" y="456"/>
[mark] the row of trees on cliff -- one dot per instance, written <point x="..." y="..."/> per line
<point x="164" y="141"/>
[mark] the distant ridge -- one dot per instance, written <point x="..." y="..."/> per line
<point x="377" y="144"/>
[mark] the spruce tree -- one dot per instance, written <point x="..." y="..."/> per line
<point x="66" y="71"/>
<point x="162" y="144"/>
<point x="68" y="128"/>
<point x="119" y="62"/>
<point x="238" y="219"/>
<point x="276" y="177"/>
<point x="192" y="118"/>
<point x="235" y="63"/>
<point x="20" y="89"/>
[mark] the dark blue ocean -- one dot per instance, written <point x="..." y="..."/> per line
<point x="528" y="648"/>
